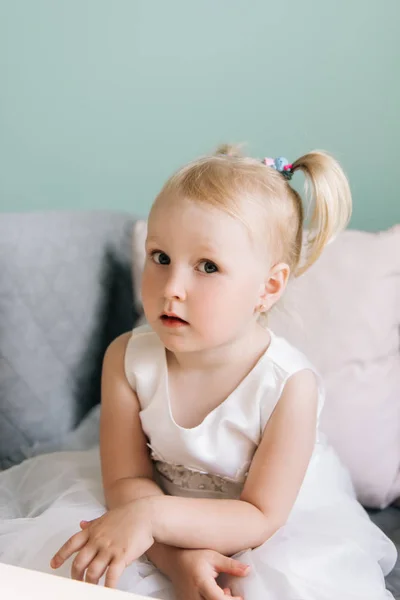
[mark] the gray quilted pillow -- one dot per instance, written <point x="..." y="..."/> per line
<point x="65" y="293"/>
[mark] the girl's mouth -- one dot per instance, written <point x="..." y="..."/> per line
<point x="173" y="321"/>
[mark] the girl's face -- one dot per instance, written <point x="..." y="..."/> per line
<point x="202" y="266"/>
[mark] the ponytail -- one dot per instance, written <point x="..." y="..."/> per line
<point x="328" y="190"/>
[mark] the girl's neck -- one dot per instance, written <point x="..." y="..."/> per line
<point x="252" y="344"/>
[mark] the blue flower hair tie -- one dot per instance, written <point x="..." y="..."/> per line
<point x="281" y="164"/>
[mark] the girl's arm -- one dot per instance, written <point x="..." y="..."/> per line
<point x="276" y="474"/>
<point x="126" y="467"/>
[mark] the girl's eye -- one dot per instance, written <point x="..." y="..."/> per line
<point x="160" y="258"/>
<point x="209" y="267"/>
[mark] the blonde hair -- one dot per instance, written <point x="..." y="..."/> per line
<point x="231" y="182"/>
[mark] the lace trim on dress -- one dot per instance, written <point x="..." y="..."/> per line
<point x="190" y="479"/>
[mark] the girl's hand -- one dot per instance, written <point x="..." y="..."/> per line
<point x="109" y="543"/>
<point x="194" y="574"/>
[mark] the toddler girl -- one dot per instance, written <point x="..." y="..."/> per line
<point x="216" y="477"/>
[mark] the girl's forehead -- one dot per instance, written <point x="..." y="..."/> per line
<point x="170" y="211"/>
<point x="199" y="223"/>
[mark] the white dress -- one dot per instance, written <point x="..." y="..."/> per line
<point x="328" y="549"/>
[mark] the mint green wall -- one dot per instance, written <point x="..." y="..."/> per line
<point x="101" y="100"/>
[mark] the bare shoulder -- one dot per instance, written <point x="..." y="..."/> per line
<point x="116" y="350"/>
<point x="115" y="385"/>
<point x="299" y="399"/>
<point x="302" y="383"/>
<point x="114" y="357"/>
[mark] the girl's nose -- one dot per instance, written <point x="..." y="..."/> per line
<point x="175" y="287"/>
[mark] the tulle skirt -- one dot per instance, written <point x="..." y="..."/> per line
<point x="328" y="550"/>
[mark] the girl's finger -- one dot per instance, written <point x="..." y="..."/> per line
<point x="75" y="543"/>
<point x="85" y="524"/>
<point x="224" y="564"/>
<point x="114" y="572"/>
<point x="82" y="561"/>
<point x="98" y="566"/>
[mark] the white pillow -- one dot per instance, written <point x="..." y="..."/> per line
<point x="345" y="315"/>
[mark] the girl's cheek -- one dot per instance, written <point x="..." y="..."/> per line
<point x="148" y="281"/>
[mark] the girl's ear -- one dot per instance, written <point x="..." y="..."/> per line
<point x="274" y="285"/>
